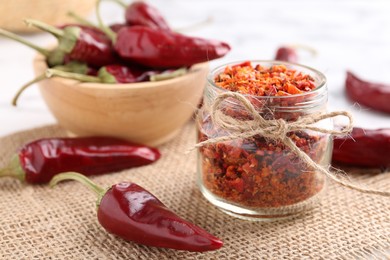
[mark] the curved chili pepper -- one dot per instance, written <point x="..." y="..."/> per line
<point x="78" y="43"/>
<point x="286" y="54"/>
<point x="367" y="148"/>
<point x="373" y="95"/>
<point x="37" y="162"/>
<point x="141" y="13"/>
<point x="164" y="49"/>
<point x="134" y="214"/>
<point x="116" y="73"/>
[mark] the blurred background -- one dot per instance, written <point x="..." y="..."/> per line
<point x="347" y="35"/>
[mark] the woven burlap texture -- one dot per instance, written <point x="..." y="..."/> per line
<point x="37" y="222"/>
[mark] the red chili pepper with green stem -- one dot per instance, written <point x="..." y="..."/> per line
<point x="142" y="13"/>
<point x="370" y="94"/>
<point x="364" y="147"/>
<point x="80" y="43"/>
<point x="38" y="161"/>
<point x="158" y="48"/>
<point x="134" y="214"/>
<point x="116" y="73"/>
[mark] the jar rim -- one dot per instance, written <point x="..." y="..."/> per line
<point x="319" y="86"/>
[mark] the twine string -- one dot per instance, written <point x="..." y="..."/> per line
<point x="277" y="130"/>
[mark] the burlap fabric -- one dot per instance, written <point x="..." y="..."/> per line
<point x="37" y="222"/>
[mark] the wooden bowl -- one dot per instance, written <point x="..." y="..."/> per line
<point x="147" y="112"/>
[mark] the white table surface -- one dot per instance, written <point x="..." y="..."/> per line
<point x="348" y="35"/>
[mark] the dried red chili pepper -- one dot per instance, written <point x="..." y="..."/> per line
<point x="134" y="214"/>
<point x="158" y="48"/>
<point x="142" y="13"/>
<point x="116" y="73"/>
<point x="80" y="43"/>
<point x="38" y="161"/>
<point x="286" y="54"/>
<point x="163" y="49"/>
<point x="373" y="95"/>
<point x="364" y="147"/>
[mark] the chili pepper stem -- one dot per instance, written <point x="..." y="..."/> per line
<point x="110" y="33"/>
<point x="99" y="191"/>
<point x="80" y="19"/>
<point x="120" y="2"/>
<point x="25" y="86"/>
<point x="69" y="75"/>
<point x="168" y="75"/>
<point x="19" y="39"/>
<point x="13" y="169"/>
<point x="45" y="27"/>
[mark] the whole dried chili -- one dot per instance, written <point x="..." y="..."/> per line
<point x="161" y="49"/>
<point x="364" y="147"/>
<point x="256" y="172"/>
<point x="373" y="95"/>
<point x="80" y="43"/>
<point x="285" y="53"/>
<point x="142" y="13"/>
<point x="38" y="161"/>
<point x="116" y="73"/>
<point x="134" y="214"/>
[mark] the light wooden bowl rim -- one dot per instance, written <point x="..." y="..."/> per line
<point x="39" y="62"/>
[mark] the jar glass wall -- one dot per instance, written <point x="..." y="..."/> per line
<point x="256" y="178"/>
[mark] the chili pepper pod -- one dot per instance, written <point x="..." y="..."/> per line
<point x="38" y="161"/>
<point x="364" y="147"/>
<point x="142" y="13"/>
<point x="370" y="94"/>
<point x="134" y="214"/>
<point x="289" y="52"/>
<point x="80" y="43"/>
<point x="285" y="53"/>
<point x="163" y="49"/>
<point x="116" y="73"/>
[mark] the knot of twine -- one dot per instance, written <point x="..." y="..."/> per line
<point x="276" y="130"/>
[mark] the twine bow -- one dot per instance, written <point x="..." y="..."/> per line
<point x="277" y="130"/>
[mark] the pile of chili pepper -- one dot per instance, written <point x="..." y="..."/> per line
<point x="140" y="49"/>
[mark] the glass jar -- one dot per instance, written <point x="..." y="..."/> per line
<point x="255" y="178"/>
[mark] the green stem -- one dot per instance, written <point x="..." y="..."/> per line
<point x="80" y="19"/>
<point x="25" y="86"/>
<point x="168" y="75"/>
<point x="99" y="191"/>
<point x="69" y="75"/>
<point x="45" y="27"/>
<point x="110" y="33"/>
<point x="120" y="2"/>
<point x="13" y="169"/>
<point x="19" y="39"/>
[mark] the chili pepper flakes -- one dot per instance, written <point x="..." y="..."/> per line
<point x="277" y="80"/>
<point x="256" y="172"/>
